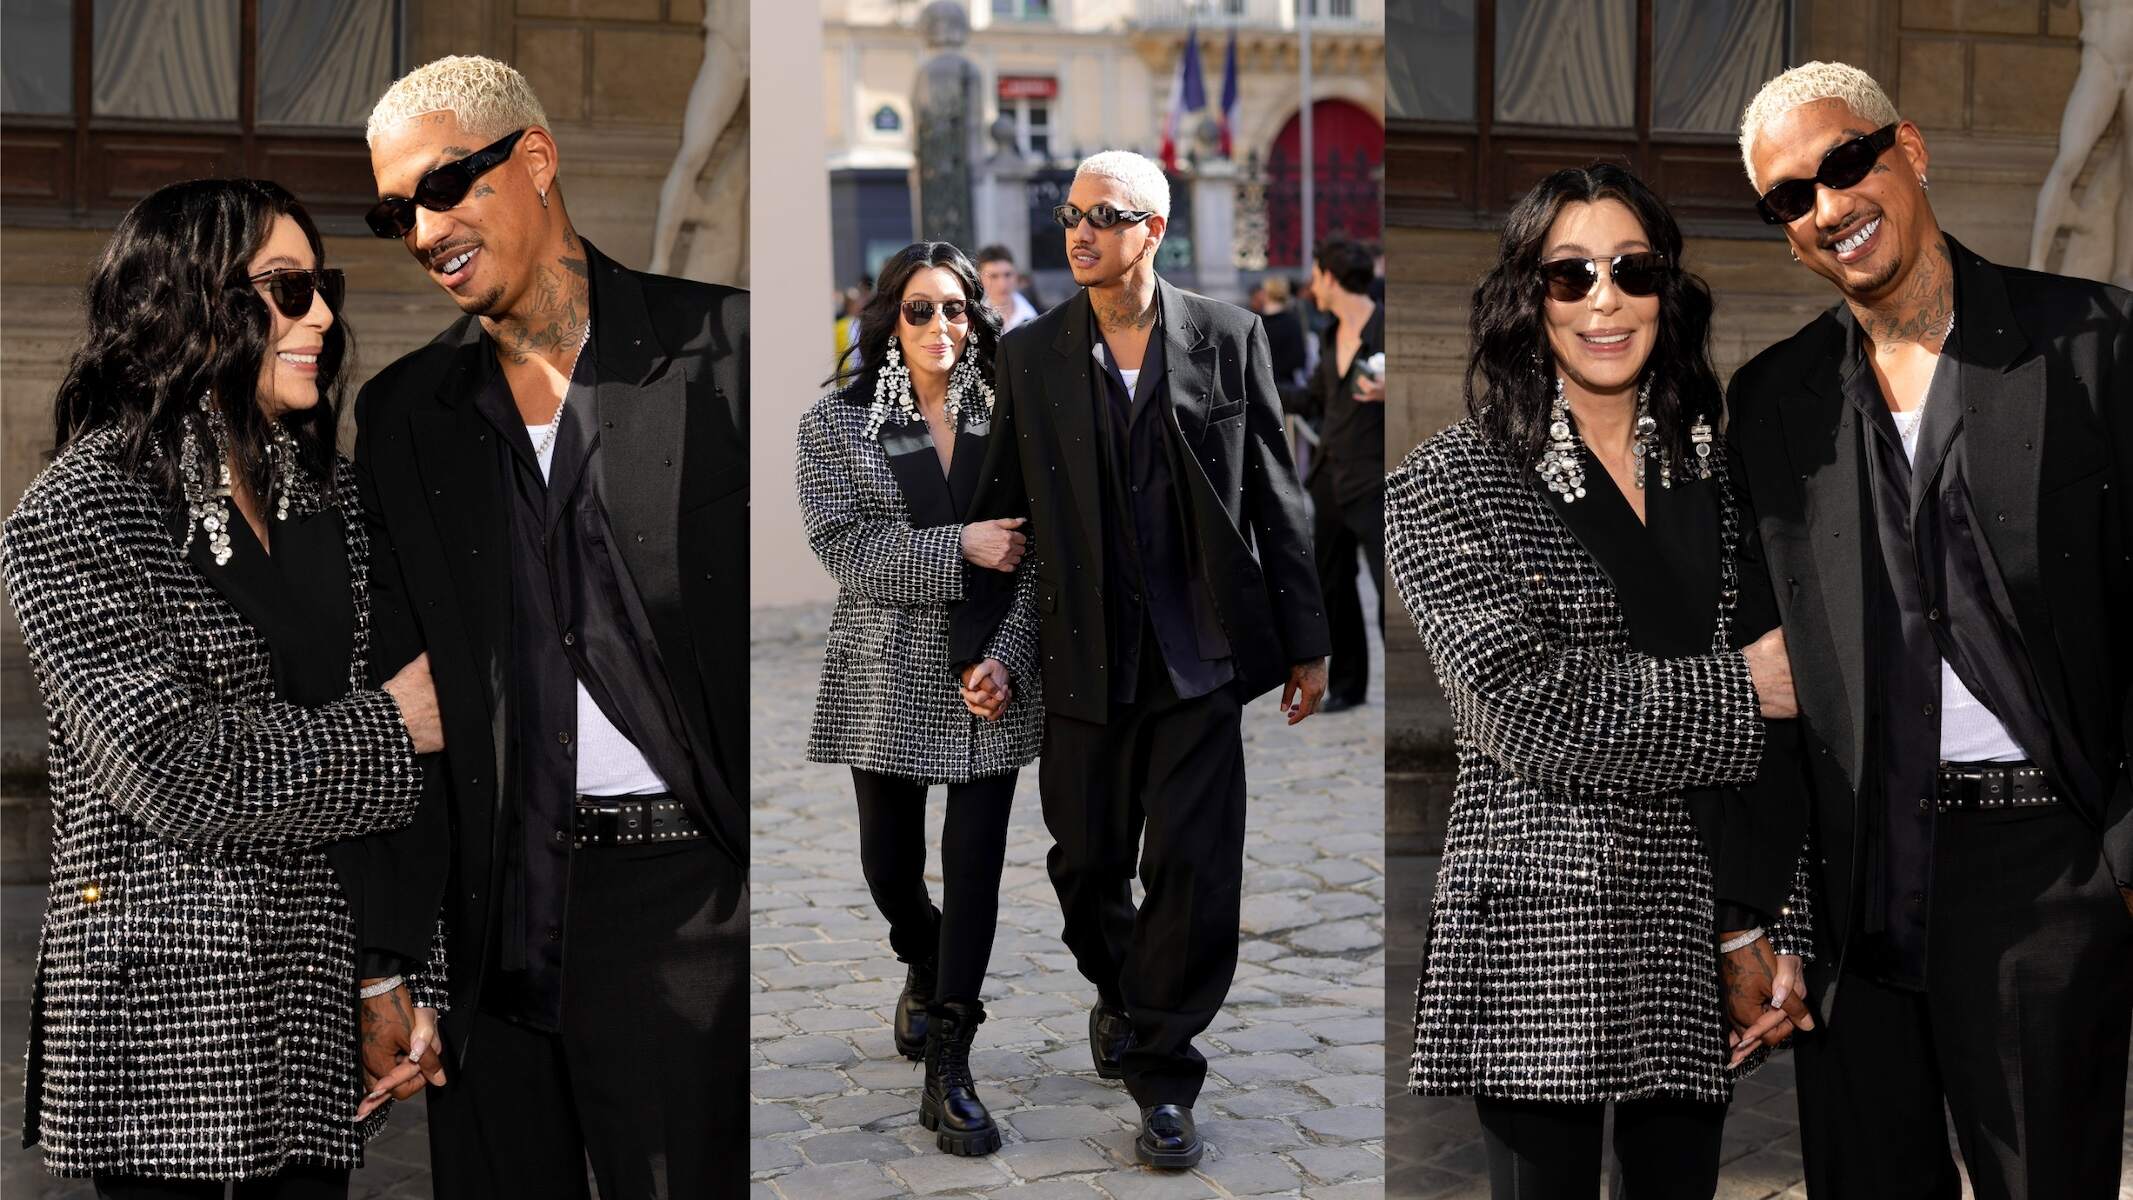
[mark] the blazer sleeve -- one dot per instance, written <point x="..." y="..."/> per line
<point x="1274" y="506"/>
<point x="991" y="599"/>
<point x="1014" y="641"/>
<point x="883" y="559"/>
<point x="2116" y="382"/>
<point x="191" y="768"/>
<point x="1574" y="718"/>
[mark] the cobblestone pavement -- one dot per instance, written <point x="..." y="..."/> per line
<point x="1294" y="1098"/>
<point x="397" y="1163"/>
<point x="1433" y="1145"/>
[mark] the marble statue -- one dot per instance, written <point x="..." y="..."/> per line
<point x="706" y="190"/>
<point x="2100" y="230"/>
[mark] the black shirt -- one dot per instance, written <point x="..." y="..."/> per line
<point x="1351" y="435"/>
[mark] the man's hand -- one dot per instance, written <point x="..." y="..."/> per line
<point x="994" y="545"/>
<point x="985" y="690"/>
<point x="399" y="1048"/>
<point x="1369" y="390"/>
<point x="1306" y="686"/>
<point x="1771" y="672"/>
<point x="412" y="690"/>
<point x="1765" y="995"/>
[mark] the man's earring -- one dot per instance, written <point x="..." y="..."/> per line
<point x="544" y="199"/>
<point x="1923" y="186"/>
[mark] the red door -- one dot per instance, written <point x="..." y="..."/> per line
<point x="1348" y="149"/>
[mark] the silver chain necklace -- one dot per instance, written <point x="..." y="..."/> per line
<point x="555" y="423"/>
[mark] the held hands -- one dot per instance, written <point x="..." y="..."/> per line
<point x="399" y="1049"/>
<point x="994" y="545"/>
<point x="1306" y="686"/>
<point x="1766" y="997"/>
<point x="1771" y="672"/>
<point x="412" y="690"/>
<point x="985" y="690"/>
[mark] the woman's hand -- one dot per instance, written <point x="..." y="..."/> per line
<point x="416" y="695"/>
<point x="994" y="545"/>
<point x="985" y="689"/>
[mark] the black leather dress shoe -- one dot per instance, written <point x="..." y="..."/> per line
<point x="1168" y="1138"/>
<point x="1110" y="1034"/>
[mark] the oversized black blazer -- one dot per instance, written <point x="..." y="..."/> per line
<point x="2045" y="368"/>
<point x="672" y="395"/>
<point x="1245" y="508"/>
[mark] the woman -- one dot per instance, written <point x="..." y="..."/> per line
<point x="1583" y="574"/>
<point x="888" y="463"/>
<point x="190" y="581"/>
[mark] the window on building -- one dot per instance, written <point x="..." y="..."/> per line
<point x="105" y="100"/>
<point x="1022" y="10"/>
<point x="1488" y="96"/>
<point x="1029" y="102"/>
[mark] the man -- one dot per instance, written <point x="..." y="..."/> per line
<point x="1003" y="287"/>
<point x="1941" y="466"/>
<point x="557" y="489"/>
<point x="1347" y="479"/>
<point x="1139" y="433"/>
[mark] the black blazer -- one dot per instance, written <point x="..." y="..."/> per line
<point x="1245" y="507"/>
<point x="672" y="398"/>
<point x="2046" y="379"/>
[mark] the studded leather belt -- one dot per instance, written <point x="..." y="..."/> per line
<point x="1965" y="787"/>
<point x="632" y="820"/>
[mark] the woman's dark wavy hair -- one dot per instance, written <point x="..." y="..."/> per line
<point x="877" y="321"/>
<point x="172" y="316"/>
<point x="1509" y="324"/>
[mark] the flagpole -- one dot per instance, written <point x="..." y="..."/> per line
<point x="1303" y="54"/>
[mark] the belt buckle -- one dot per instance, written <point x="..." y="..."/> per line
<point x="603" y="823"/>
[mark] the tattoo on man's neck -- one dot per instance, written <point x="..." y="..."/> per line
<point x="556" y="313"/>
<point x="1921" y="310"/>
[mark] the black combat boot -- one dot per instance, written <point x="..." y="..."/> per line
<point x="951" y="1105"/>
<point x="911" y="1011"/>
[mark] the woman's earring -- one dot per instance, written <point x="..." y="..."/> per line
<point x="1700" y="435"/>
<point x="281" y="448"/>
<point x="207" y="504"/>
<point x="1559" y="465"/>
<point x="965" y="381"/>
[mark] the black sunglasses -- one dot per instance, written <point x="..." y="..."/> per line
<point x="918" y="312"/>
<point x="291" y="289"/>
<point x="1571" y="279"/>
<point x="1099" y="215"/>
<point x="440" y="190"/>
<point x="1842" y="167"/>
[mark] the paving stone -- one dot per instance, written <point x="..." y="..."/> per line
<point x="810" y="1050"/>
<point x="1144" y="1184"/>
<point x="827" y="1148"/>
<point x="1040" y="1160"/>
<point x="863" y="1109"/>
<point x="1348" y="1089"/>
<point x="1254" y="1038"/>
<point x="1338" y="1164"/>
<point x="785" y="1083"/>
<point x="1338" y="937"/>
<point x="767" y="1155"/>
<point x="1066" y="1121"/>
<point x="926" y="1174"/>
<point x="1252" y="1174"/>
<point x="1347" y="1124"/>
<point x="766" y="1119"/>
<point x="846" y="1181"/>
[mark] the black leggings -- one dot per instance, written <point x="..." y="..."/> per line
<point x="290" y="1183"/>
<point x="892" y="851"/>
<point x="1551" y="1151"/>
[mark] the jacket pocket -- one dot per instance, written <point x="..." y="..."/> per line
<point x="865" y="633"/>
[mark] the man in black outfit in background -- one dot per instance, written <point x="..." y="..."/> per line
<point x="1942" y="469"/>
<point x="1347" y="479"/>
<point x="557" y="492"/>
<point x="1138" y="430"/>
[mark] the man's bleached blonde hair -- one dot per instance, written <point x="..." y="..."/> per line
<point x="1146" y="187"/>
<point x="1806" y="84"/>
<point x="489" y="98"/>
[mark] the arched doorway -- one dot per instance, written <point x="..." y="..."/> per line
<point x="1348" y="149"/>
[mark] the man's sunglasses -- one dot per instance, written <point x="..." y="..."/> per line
<point x="1571" y="279"/>
<point x="291" y="289"/>
<point x="1098" y="215"/>
<point x="918" y="312"/>
<point x="440" y="190"/>
<point x="1843" y="167"/>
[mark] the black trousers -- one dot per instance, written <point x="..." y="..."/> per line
<point x="1338" y="533"/>
<point x="290" y="1183"/>
<point x="1172" y="770"/>
<point x="957" y="936"/>
<point x="647" y="1077"/>
<point x="2020" y="1032"/>
<point x="1668" y="1149"/>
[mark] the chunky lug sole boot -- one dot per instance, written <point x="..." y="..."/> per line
<point x="951" y="1106"/>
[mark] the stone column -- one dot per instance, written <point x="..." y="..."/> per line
<point x="1003" y="207"/>
<point x="1214" y="221"/>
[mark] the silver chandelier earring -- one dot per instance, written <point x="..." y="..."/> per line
<point x="965" y="382"/>
<point x="1640" y="446"/>
<point x="207" y="504"/>
<point x="892" y="392"/>
<point x="1559" y="465"/>
<point x="281" y="452"/>
<point x="1700" y="435"/>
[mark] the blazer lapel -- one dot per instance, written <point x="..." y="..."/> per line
<point x="1822" y="436"/>
<point x="1189" y="360"/>
<point x="968" y="467"/>
<point x="917" y="466"/>
<point x="1070" y="394"/>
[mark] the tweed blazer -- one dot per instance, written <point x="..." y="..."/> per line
<point x="1570" y="952"/>
<point x="887" y="700"/>
<point x="194" y="1010"/>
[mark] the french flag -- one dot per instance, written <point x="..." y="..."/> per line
<point x="1229" y="93"/>
<point x="1187" y="95"/>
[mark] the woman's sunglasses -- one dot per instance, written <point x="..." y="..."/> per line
<point x="1098" y="215"/>
<point x="1641" y="274"/>
<point x="1843" y="167"/>
<point x="918" y="312"/>
<point x="291" y="289"/>
<point x="440" y="190"/>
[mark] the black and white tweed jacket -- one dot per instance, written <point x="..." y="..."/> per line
<point x="887" y="700"/>
<point x="1570" y="951"/>
<point x="194" y="1013"/>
